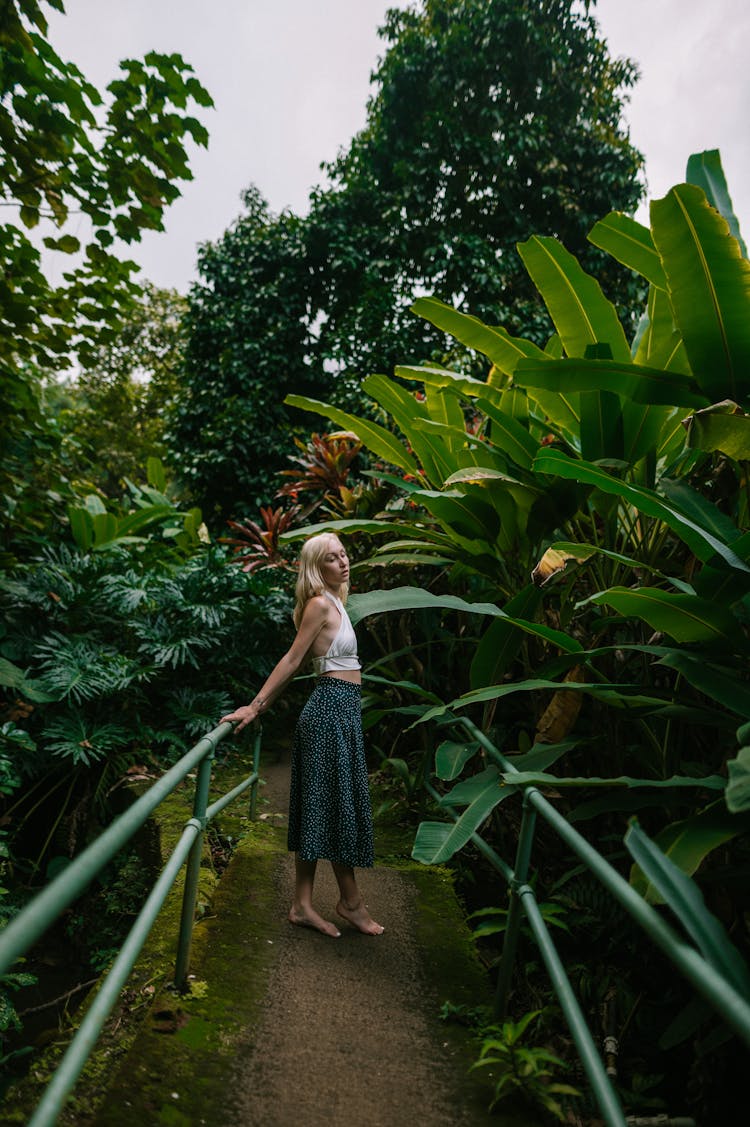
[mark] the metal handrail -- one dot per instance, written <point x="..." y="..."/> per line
<point x="706" y="980"/>
<point x="27" y="927"/>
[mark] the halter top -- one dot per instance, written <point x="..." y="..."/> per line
<point x="342" y="653"/>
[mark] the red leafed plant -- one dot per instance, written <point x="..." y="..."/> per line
<point x="323" y="468"/>
<point x="255" y="547"/>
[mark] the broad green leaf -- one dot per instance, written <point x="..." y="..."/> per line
<point x="445" y="408"/>
<point x="601" y="426"/>
<point x="720" y="684"/>
<point x="658" y="340"/>
<point x="541" y="756"/>
<point x="81" y="527"/>
<point x="135" y="522"/>
<point x="436" y="842"/>
<point x="510" y="436"/>
<point x="581" y="313"/>
<point x="376" y="438"/>
<point x="155" y="474"/>
<point x="405" y="410"/>
<point x="417" y="598"/>
<point x="452" y="757"/>
<point x="686" y="618"/>
<point x="469" y="515"/>
<point x="608" y="694"/>
<point x="630" y="243"/>
<point x="701" y="542"/>
<point x="737" y="794"/>
<point x="632" y="381"/>
<point x="469" y="790"/>
<point x="705" y="171"/>
<point x="346" y="527"/>
<point x="669" y="884"/>
<point x="698" y="507"/>
<point x="543" y="779"/>
<point x="495" y="343"/>
<point x="501" y="641"/>
<point x="709" y="287"/>
<point x="722" y="427"/>
<point x="462" y="386"/>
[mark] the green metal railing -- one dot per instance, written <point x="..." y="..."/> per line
<point x="705" y="979"/>
<point x="27" y="927"/>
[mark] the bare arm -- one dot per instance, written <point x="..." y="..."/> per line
<point x="314" y="618"/>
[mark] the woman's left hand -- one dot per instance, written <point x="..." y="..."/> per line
<point x="244" y="716"/>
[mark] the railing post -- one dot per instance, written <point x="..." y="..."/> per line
<point x="512" y="931"/>
<point x="256" y="768"/>
<point x="192" y="872"/>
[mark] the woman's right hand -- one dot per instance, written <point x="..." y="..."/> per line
<point x="243" y="716"/>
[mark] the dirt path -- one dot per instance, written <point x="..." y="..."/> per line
<point x="344" y="1036"/>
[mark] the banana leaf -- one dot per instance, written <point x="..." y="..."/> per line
<point x="416" y="598"/>
<point x="633" y="381"/>
<point x="495" y="343"/>
<point x="720" y="684"/>
<point x="673" y="887"/>
<point x="581" y="313"/>
<point x="709" y="286"/>
<point x="468" y="790"/>
<point x="720" y="427"/>
<point x="618" y="696"/>
<point x="686" y="618"/>
<point x="452" y="757"/>
<point x="436" y="842"/>
<point x="617" y="782"/>
<point x="702" y="543"/>
<point x="406" y="410"/>
<point x="630" y="243"/>
<point x="501" y="640"/>
<point x="705" y="171"/>
<point x="345" y="526"/>
<point x="698" y="507"/>
<point x="376" y="438"/>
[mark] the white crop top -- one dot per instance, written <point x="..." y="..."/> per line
<point x="342" y="653"/>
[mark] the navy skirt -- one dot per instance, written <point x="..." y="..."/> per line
<point x="329" y="801"/>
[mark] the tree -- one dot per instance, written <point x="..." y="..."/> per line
<point x="249" y="338"/>
<point x="490" y="120"/>
<point x="65" y="151"/>
<point x="112" y="415"/>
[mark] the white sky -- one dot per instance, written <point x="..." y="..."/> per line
<point x="290" y="79"/>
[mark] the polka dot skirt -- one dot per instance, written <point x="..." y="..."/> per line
<point x="329" y="800"/>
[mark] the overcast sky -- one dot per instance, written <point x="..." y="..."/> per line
<point x="290" y="79"/>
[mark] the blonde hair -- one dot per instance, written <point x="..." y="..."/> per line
<point x="309" y="580"/>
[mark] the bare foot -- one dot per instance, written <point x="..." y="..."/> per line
<point x="308" y="917"/>
<point x="360" y="917"/>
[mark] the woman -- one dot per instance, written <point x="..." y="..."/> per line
<point x="329" y="802"/>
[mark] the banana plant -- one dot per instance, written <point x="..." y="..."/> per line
<point x="601" y="454"/>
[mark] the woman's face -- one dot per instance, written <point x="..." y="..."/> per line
<point x="334" y="566"/>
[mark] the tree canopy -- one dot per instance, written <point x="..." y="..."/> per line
<point x="67" y="150"/>
<point x="489" y="121"/>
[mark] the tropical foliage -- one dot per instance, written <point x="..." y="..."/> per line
<point x="588" y="500"/>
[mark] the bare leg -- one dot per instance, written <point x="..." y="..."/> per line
<point x="302" y="912"/>
<point x="351" y="906"/>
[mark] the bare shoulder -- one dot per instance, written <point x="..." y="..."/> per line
<point x="316" y="609"/>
